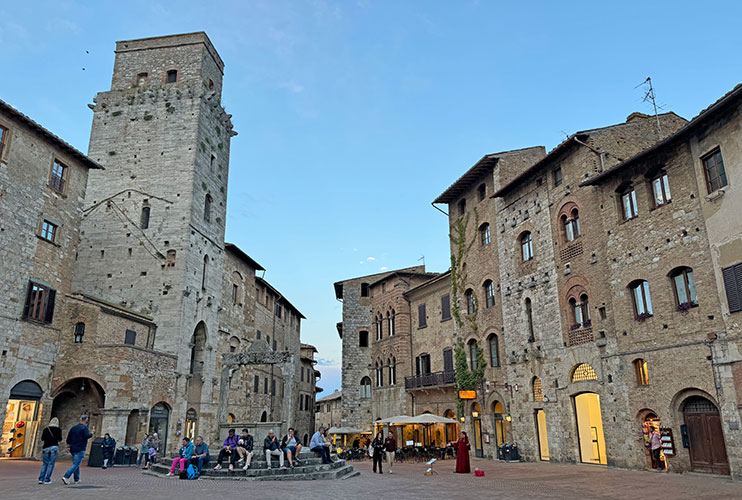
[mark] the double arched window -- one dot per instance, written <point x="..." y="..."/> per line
<point x="580" y="311"/>
<point x="365" y="388"/>
<point x="379" y="373"/>
<point x="526" y="246"/>
<point x="571" y="224"/>
<point x="379" y="326"/>
<point x="391" y="319"/>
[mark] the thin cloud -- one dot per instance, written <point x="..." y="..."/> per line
<point x="384" y="268"/>
<point x="370" y="259"/>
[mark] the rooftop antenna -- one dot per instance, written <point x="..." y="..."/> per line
<point x="650" y="97"/>
<point x="422" y="259"/>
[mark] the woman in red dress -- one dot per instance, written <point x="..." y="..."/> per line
<point x="462" y="454"/>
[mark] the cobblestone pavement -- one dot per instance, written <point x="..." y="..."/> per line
<point x="502" y="480"/>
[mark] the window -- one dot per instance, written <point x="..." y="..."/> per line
<point x="713" y="168"/>
<point x="212" y="162"/>
<point x="235" y="292"/>
<point x="629" y="207"/>
<point x="392" y="323"/>
<point x="661" y="190"/>
<point x="130" y="337"/>
<point x="494" y="350"/>
<point x="268" y="341"/>
<point x="583" y="372"/>
<point x="207" y="208"/>
<point x="482" y="192"/>
<point x="365" y="388"/>
<point x="273" y="387"/>
<point x="258" y="335"/>
<point x="302" y="374"/>
<point x="642" y="300"/>
<point x="234" y="344"/>
<point x="538" y="389"/>
<point x="256" y="384"/>
<point x="144" y="217"/>
<point x="422" y="320"/>
<point x="265" y="385"/>
<point x="489" y="293"/>
<point x="39" y="303"/>
<point x="278" y="310"/>
<point x="642" y="377"/>
<point x="48" y="231"/>
<point x="79" y="332"/>
<point x="571" y="225"/>
<point x="472" y="354"/>
<point x="141" y="79"/>
<point x="379" y="325"/>
<point x="445" y="307"/>
<point x="462" y="206"/>
<point x="393" y="372"/>
<point x="484" y="234"/>
<point x="424" y="364"/>
<point x="733" y="286"/>
<point x="529" y="321"/>
<point x="379" y="373"/>
<point x="363" y="338"/>
<point x="203" y="273"/>
<point x="364" y="289"/>
<point x="448" y="360"/>
<point x="557" y="174"/>
<point x="526" y="246"/>
<point x="685" y="288"/>
<point x="3" y="138"/>
<point x="275" y="345"/>
<point x="471" y="301"/>
<point x="580" y="312"/>
<point x="58" y="177"/>
<point x="172" y="76"/>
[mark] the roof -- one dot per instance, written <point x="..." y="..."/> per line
<point x="432" y="281"/>
<point x="308" y="346"/>
<point x="280" y="295"/>
<point x="52" y="138"/>
<point x="475" y="173"/>
<point x="686" y="129"/>
<point x="402" y="273"/>
<point x="243" y="256"/>
<point x="339" y="284"/>
<point x="335" y="395"/>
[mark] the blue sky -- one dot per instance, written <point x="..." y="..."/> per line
<point x="353" y="116"/>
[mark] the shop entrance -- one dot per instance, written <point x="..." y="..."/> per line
<point x="590" y="428"/>
<point x="452" y="433"/>
<point x="190" y="423"/>
<point x="476" y="412"/>
<point x="159" y="418"/>
<point x="21" y="420"/>
<point x="500" y="433"/>
<point x="707" y="450"/>
<point x="541" y="435"/>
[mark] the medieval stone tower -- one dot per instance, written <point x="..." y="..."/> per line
<point x="153" y="228"/>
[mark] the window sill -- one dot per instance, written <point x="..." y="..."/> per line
<point x="443" y="320"/>
<point x="422" y="327"/>
<point x="715" y="195"/>
<point x="53" y="243"/>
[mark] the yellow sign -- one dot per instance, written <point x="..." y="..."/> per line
<point x="467" y="394"/>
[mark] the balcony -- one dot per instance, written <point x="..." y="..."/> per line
<point x="429" y="380"/>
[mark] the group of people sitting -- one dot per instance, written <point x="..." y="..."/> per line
<point x="239" y="450"/>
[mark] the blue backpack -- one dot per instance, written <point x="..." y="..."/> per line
<point x="192" y="472"/>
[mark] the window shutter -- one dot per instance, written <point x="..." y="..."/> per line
<point x="733" y="285"/>
<point x="49" y="307"/>
<point x="422" y="320"/>
<point x="447" y="360"/>
<point x="28" y="300"/>
<point x="446" y="307"/>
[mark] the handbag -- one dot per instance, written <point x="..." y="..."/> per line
<point x="371" y="451"/>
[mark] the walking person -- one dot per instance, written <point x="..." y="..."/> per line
<point x="77" y="441"/>
<point x="228" y="450"/>
<point x="378" y="445"/>
<point x="272" y="447"/>
<point x="184" y="456"/>
<point x="109" y="446"/>
<point x="462" y="454"/>
<point x="50" y="437"/>
<point x="144" y="452"/>
<point x="655" y="444"/>
<point x="390" y="446"/>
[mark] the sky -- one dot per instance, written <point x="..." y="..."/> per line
<point x="354" y="115"/>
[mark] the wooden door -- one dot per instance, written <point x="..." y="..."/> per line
<point x="707" y="450"/>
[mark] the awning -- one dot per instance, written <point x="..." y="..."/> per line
<point x="392" y="420"/>
<point x="426" y="418"/>
<point x="345" y="430"/>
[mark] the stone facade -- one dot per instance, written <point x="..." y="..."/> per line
<point x="328" y="411"/>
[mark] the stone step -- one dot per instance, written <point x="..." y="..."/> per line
<point x="339" y="469"/>
<point x="339" y="473"/>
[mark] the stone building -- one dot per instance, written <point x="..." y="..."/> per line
<point x="159" y="325"/>
<point x="328" y="411"/>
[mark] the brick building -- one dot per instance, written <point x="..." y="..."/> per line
<point x="328" y="411"/>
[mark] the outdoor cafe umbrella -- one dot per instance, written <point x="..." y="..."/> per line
<point x="426" y="419"/>
<point x="344" y="431"/>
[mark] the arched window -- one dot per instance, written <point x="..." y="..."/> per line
<point x="473" y="354"/>
<point x="203" y="274"/>
<point x="529" y="320"/>
<point x="482" y="192"/>
<point x="641" y="299"/>
<point x="494" y="350"/>
<point x="365" y="388"/>
<point x="462" y="206"/>
<point x="236" y="287"/>
<point x="526" y="246"/>
<point x="144" y="217"/>
<point x="580" y="310"/>
<point x="484" y="234"/>
<point x="207" y="208"/>
<point x="471" y="301"/>
<point x="234" y="344"/>
<point x="264" y="417"/>
<point x="392" y="323"/>
<point x="363" y="338"/>
<point x="391" y="375"/>
<point x="571" y="225"/>
<point x="684" y="286"/>
<point x="489" y="293"/>
<point x="172" y="76"/>
<point x="79" y="332"/>
<point x="629" y="208"/>
<point x="642" y="376"/>
<point x="393" y="372"/>
<point x="379" y="326"/>
<point x="538" y="389"/>
<point x="661" y="189"/>
<point x="582" y="372"/>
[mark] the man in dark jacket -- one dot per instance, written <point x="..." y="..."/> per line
<point x="272" y="448"/>
<point x="77" y="441"/>
<point x="244" y="448"/>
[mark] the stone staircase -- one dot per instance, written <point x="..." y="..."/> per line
<point x="311" y="468"/>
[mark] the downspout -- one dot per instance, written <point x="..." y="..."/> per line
<point x="441" y="211"/>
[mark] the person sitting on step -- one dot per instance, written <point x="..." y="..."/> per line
<point x="228" y="450"/>
<point x="244" y="448"/>
<point x="184" y="456"/>
<point x="201" y="455"/>
<point x="292" y="447"/>
<point x="272" y="448"/>
<point x="318" y="445"/>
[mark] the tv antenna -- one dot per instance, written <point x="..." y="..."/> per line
<point x="422" y="259"/>
<point x="649" y="96"/>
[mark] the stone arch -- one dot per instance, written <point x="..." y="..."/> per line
<point x="198" y="349"/>
<point x="678" y="400"/>
<point x="75" y="397"/>
<point x="582" y="372"/>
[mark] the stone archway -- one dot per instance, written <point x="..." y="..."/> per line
<point x="77" y="397"/>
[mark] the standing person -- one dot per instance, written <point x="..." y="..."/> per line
<point x="292" y="447"/>
<point x="50" y="436"/>
<point x="184" y="456"/>
<point x="390" y="446"/>
<point x="200" y="455"/>
<point x="318" y="445"/>
<point x="109" y="446"/>
<point x="272" y="447"/>
<point x="462" y="454"/>
<point x="378" y="446"/>
<point x="245" y="447"/>
<point x="655" y="444"/>
<point x="144" y="451"/>
<point x="228" y="450"/>
<point x="77" y="441"/>
<point x="154" y="448"/>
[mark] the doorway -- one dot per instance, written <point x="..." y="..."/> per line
<point x="191" y="428"/>
<point x="707" y="450"/>
<point x="159" y="418"/>
<point x="21" y="420"/>
<point x="476" y="413"/>
<point x="590" y="428"/>
<point x="541" y="435"/>
<point x="500" y="433"/>
<point x="132" y="428"/>
<point x="78" y="397"/>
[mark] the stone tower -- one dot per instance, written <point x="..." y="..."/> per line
<point x="153" y="229"/>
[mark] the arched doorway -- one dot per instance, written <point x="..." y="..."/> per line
<point x="542" y="435"/>
<point x="21" y="419"/>
<point x="198" y="349"/>
<point x="648" y="420"/>
<point x="452" y="430"/>
<point x="132" y="428"/>
<point x="590" y="428"/>
<point x="499" y="423"/>
<point x="191" y="428"/>
<point x="77" y="397"/>
<point x="159" y="420"/>
<point x="476" y="415"/>
<point x="708" y="452"/>
<point x="264" y="417"/>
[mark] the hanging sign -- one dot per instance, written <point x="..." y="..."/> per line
<point x="467" y="394"/>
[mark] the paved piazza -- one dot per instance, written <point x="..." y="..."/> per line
<point x="522" y="480"/>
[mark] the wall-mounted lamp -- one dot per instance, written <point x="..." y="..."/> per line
<point x="475" y="414"/>
<point x="508" y="418"/>
<point x="463" y="419"/>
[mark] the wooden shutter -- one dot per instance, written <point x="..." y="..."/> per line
<point x="445" y="307"/>
<point x="447" y="360"/>
<point x="422" y="320"/>
<point x="27" y="307"/>
<point x="49" y="306"/>
<point x="733" y="286"/>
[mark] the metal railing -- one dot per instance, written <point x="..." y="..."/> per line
<point x="430" y="380"/>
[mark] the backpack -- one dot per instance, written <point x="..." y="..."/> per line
<point x="192" y="472"/>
